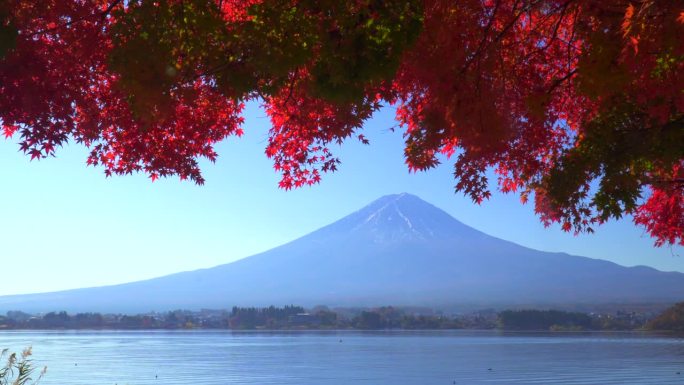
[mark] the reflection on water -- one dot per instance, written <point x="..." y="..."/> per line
<point x="377" y="358"/>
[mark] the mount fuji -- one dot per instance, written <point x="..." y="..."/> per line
<point x="398" y="250"/>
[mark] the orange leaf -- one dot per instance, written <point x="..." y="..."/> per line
<point x="635" y="44"/>
<point x="627" y="23"/>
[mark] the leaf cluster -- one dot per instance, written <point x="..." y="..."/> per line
<point x="580" y="102"/>
<point x="623" y="150"/>
<point x="344" y="46"/>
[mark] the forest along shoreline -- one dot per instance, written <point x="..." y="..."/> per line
<point x="380" y="318"/>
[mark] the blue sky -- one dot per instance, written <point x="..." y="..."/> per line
<point x="65" y="225"/>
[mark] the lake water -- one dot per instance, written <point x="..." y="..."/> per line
<point x="374" y="358"/>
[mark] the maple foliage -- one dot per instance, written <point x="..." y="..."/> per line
<point x="578" y="103"/>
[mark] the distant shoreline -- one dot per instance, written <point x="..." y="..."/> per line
<point x="296" y="318"/>
<point x="664" y="333"/>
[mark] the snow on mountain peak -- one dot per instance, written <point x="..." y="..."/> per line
<point x="399" y="217"/>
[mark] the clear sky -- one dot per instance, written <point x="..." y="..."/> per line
<point x="67" y="226"/>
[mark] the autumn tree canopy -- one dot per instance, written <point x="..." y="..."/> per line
<point x="576" y="103"/>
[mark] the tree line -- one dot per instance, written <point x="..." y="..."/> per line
<point x="321" y="317"/>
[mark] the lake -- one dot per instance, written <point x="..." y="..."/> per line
<point x="351" y="357"/>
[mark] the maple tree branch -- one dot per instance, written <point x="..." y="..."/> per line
<point x="676" y="183"/>
<point x="501" y="33"/>
<point x="559" y="81"/>
<point x="48" y="30"/>
<point x="102" y="14"/>
<point x="554" y="37"/>
<point x="292" y="83"/>
<point x="110" y="8"/>
<point x="484" y="38"/>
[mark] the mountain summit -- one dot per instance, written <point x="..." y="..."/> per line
<point x="399" y="217"/>
<point x="398" y="250"/>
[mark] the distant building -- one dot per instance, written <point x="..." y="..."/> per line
<point x="304" y="319"/>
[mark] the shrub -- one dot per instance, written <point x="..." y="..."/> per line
<point x="18" y="370"/>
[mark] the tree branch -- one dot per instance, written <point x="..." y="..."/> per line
<point x="102" y="14"/>
<point x="560" y="81"/>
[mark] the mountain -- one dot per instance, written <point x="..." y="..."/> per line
<point x="398" y="250"/>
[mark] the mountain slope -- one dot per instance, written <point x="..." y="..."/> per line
<point x="398" y="250"/>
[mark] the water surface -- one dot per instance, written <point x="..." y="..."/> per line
<point x="326" y="358"/>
